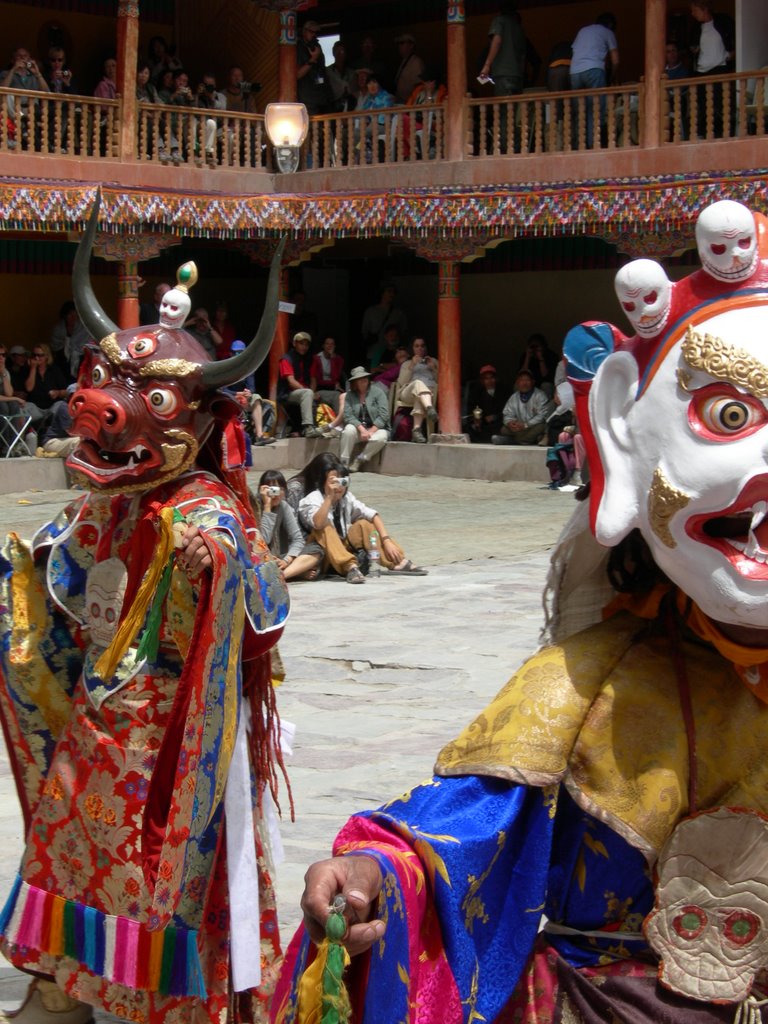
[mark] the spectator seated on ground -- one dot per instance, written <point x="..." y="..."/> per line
<point x="366" y="420"/>
<point x="525" y="413"/>
<point x="417" y="388"/>
<point x="256" y="422"/>
<point x="305" y="480"/>
<point x="386" y="376"/>
<point x="45" y="384"/>
<point x="10" y="406"/>
<point x="57" y="441"/>
<point x="281" y="531"/>
<point x="484" y="406"/>
<point x="327" y="375"/>
<point x="293" y="385"/>
<point x="342" y="525"/>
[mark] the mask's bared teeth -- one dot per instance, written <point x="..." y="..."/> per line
<point x="759" y="510"/>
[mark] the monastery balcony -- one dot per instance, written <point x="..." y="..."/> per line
<point x="682" y="126"/>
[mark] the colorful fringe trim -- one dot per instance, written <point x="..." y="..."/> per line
<point x="115" y="948"/>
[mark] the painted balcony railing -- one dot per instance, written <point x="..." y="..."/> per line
<point x="360" y="138"/>
<point x="185" y="135"/>
<point x="54" y="124"/>
<point x="716" y="107"/>
<point x="537" y="123"/>
<point x="555" y="122"/>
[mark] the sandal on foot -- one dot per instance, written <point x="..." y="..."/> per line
<point x="355" y="576"/>
<point x="409" y="569"/>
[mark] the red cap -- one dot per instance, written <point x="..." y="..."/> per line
<point x="487" y="369"/>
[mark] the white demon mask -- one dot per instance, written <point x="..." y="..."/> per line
<point x="645" y="294"/>
<point x="726" y="238"/>
<point x="174" y="308"/>
<point x="710" y="921"/>
<point x="104" y="596"/>
<point x="683" y="454"/>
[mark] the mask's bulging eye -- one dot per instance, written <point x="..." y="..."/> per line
<point x="717" y="248"/>
<point x="690" y="922"/>
<point x="141" y="347"/>
<point x="741" y="927"/>
<point x="729" y="415"/>
<point x="162" y="401"/>
<point x="745" y="243"/>
<point x="99" y="375"/>
<point x="722" y="416"/>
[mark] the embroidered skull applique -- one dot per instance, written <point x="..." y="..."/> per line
<point x="710" y="921"/>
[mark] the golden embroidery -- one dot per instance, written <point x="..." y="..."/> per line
<point x="725" y="362"/>
<point x="549" y="797"/>
<point x="472" y="904"/>
<point x="612" y="724"/>
<point x="169" y="368"/>
<point x="664" y="502"/>
<point x="111" y="349"/>
<point x="471" y="1000"/>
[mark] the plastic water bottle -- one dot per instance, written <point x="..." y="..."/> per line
<point x="30" y="440"/>
<point x="374" y="558"/>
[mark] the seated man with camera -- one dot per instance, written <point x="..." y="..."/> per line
<point x="343" y="526"/>
<point x="209" y="98"/>
<point x="240" y="94"/>
<point x="23" y="73"/>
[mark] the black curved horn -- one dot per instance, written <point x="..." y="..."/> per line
<point x="222" y="373"/>
<point x="96" y="321"/>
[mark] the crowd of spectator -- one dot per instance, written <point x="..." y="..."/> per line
<point x="373" y="81"/>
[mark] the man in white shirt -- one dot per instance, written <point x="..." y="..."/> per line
<point x="714" y="54"/>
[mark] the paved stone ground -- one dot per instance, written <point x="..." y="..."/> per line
<point x="378" y="676"/>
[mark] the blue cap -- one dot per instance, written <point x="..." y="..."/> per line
<point x="238" y="346"/>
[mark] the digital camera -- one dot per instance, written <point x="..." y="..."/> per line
<point x="343" y="480"/>
<point x="250" y="87"/>
<point x="273" y="491"/>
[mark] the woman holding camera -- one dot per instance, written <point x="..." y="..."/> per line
<point x="282" y="533"/>
<point x="342" y="525"/>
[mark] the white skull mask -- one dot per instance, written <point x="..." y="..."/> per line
<point x="726" y="238"/>
<point x="710" y="922"/>
<point x="104" y="595"/>
<point x="174" y="308"/>
<point x="645" y="294"/>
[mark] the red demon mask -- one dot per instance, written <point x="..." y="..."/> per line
<point x="147" y="398"/>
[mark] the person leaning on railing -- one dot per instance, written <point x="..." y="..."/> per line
<point x="23" y="73"/>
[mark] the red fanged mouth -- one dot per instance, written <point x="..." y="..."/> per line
<point x="104" y="464"/>
<point x="740" y="533"/>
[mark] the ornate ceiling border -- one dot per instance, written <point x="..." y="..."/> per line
<point x="635" y="214"/>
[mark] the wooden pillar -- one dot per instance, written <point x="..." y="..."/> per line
<point x="286" y="70"/>
<point x="281" y="342"/>
<point x="655" y="38"/>
<point x="127" y="56"/>
<point x="128" y="294"/>
<point x="456" y="81"/>
<point x="449" y="347"/>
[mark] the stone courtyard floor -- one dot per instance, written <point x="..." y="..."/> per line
<point x="378" y="677"/>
